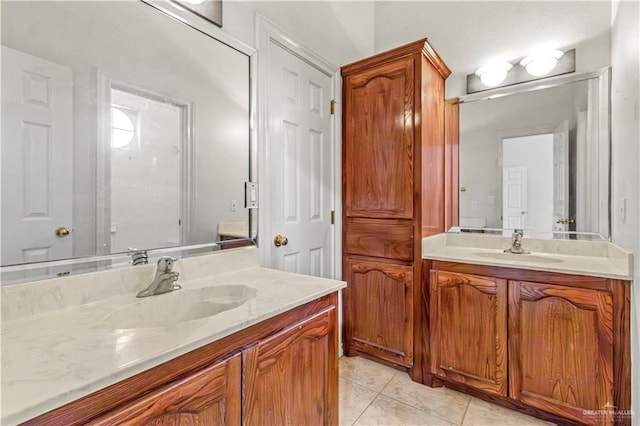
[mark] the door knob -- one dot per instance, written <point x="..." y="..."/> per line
<point x="62" y="232"/>
<point x="280" y="240"/>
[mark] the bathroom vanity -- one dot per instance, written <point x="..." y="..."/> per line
<point x="546" y="333"/>
<point x="252" y="345"/>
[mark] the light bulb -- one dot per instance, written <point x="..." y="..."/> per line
<point x="493" y="74"/>
<point x="541" y="63"/>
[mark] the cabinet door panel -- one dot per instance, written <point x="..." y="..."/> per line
<point x="469" y="332"/>
<point x="561" y="353"/>
<point x="380" y="310"/>
<point x="291" y="377"/>
<point x="208" y="397"/>
<point x="378" y="143"/>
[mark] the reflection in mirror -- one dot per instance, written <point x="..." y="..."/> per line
<point x="122" y="128"/>
<point x="537" y="159"/>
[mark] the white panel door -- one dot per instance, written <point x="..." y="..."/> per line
<point x="514" y="197"/>
<point x="299" y="137"/>
<point x="561" y="176"/>
<point x="37" y="156"/>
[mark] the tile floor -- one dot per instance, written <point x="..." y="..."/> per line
<point x="373" y="394"/>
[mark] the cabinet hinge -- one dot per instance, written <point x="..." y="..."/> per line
<point x="332" y="107"/>
<point x="333" y="217"/>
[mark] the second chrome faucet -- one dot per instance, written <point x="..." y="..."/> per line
<point x="165" y="279"/>
<point x="516" y="243"/>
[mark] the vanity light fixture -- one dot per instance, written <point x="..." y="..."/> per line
<point x="541" y="63"/>
<point x="493" y="74"/>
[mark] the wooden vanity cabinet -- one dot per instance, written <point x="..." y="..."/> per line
<point x="382" y="295"/>
<point x="561" y="349"/>
<point x="281" y="371"/>
<point x="469" y="333"/>
<point x="209" y="397"/>
<point x="393" y="193"/>
<point x="567" y="335"/>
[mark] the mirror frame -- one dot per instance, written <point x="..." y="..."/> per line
<point x="123" y="259"/>
<point x="603" y="77"/>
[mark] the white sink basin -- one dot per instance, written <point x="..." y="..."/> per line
<point x="528" y="258"/>
<point x="170" y="309"/>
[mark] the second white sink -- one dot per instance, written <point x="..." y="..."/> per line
<point x="520" y="257"/>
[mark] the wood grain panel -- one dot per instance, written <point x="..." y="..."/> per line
<point x="561" y="349"/>
<point x="294" y="365"/>
<point x="379" y="317"/>
<point x="390" y="239"/>
<point x="621" y="291"/>
<point x="469" y="334"/>
<point x="578" y="281"/>
<point x="378" y="143"/>
<point x="209" y="397"/>
<point x="432" y="146"/>
<point x="451" y="160"/>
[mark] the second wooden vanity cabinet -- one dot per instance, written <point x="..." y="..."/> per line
<point x="554" y="345"/>
<point x="281" y="371"/>
<point x="393" y="193"/>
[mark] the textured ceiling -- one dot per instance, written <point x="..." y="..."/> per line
<point x="472" y="33"/>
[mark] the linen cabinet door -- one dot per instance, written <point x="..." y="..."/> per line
<point x="209" y="397"/>
<point x="291" y="378"/>
<point x="561" y="350"/>
<point x="469" y="330"/>
<point x="378" y="143"/>
<point x="379" y="310"/>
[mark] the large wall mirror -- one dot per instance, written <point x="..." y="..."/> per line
<point x="125" y="127"/>
<point x="536" y="156"/>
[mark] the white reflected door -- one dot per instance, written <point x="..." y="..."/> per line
<point x="514" y="197"/>
<point x="300" y="163"/>
<point x="561" y="176"/>
<point x="37" y="156"/>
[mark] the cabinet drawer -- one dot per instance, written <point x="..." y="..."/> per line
<point x="379" y="238"/>
<point x="210" y="396"/>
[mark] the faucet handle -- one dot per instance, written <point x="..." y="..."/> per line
<point x="165" y="263"/>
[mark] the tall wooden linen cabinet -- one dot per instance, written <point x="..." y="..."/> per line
<point x="393" y="176"/>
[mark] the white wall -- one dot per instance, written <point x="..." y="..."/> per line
<point x="339" y="31"/>
<point x="625" y="128"/>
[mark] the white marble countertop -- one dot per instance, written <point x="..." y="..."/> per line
<point x="591" y="258"/>
<point x="61" y="350"/>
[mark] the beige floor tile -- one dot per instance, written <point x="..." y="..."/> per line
<point x="387" y="411"/>
<point x="354" y="398"/>
<point x="482" y="413"/>
<point x="442" y="402"/>
<point x="366" y="373"/>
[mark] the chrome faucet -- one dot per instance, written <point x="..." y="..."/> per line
<point x="516" y="243"/>
<point x="165" y="279"/>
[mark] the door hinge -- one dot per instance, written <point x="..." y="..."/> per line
<point x="333" y="217"/>
<point x="332" y="107"/>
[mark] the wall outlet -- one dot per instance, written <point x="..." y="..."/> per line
<point x="622" y="210"/>
<point x="234" y="205"/>
<point x="474" y="205"/>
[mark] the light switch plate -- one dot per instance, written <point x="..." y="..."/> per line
<point x="622" y="210"/>
<point x="251" y="195"/>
